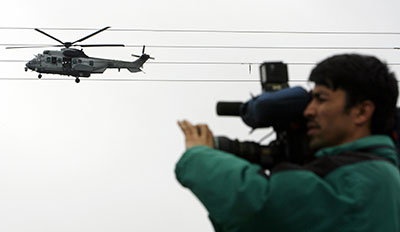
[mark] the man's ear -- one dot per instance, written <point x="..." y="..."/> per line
<point x="363" y="112"/>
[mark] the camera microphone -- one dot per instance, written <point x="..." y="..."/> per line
<point x="272" y="108"/>
<point x="269" y="108"/>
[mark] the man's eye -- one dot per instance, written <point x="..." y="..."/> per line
<point x="320" y="99"/>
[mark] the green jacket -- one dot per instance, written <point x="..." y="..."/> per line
<point x="344" y="189"/>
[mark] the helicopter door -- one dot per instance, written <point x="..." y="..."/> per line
<point x="67" y="63"/>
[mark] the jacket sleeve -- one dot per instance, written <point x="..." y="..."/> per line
<point x="236" y="192"/>
<point x="231" y="188"/>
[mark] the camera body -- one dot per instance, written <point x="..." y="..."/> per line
<point x="273" y="76"/>
<point x="278" y="106"/>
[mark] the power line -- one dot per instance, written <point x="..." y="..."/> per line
<point x="14" y="61"/>
<point x="231" y="63"/>
<point x="188" y="62"/>
<point x="124" y="80"/>
<point x="145" y="80"/>
<point x="185" y="62"/>
<point x="230" y="47"/>
<point x="199" y="63"/>
<point x="265" y="47"/>
<point x="141" y="80"/>
<point x="212" y="31"/>
<point x="219" y="63"/>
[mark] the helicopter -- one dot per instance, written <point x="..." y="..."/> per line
<point x="74" y="62"/>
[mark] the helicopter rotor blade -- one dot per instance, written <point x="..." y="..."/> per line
<point x="151" y="58"/>
<point x="100" y="45"/>
<point x="86" y="37"/>
<point x="35" y="46"/>
<point x="44" y="33"/>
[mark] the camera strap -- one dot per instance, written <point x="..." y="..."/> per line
<point x="327" y="164"/>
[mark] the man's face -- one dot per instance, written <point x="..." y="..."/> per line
<point x="328" y="122"/>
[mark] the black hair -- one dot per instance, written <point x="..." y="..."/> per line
<point x="363" y="78"/>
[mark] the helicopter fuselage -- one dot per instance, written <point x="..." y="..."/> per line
<point x="74" y="62"/>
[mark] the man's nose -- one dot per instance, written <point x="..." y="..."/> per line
<point x="309" y="111"/>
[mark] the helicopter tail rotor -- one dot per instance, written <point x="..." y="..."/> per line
<point x="143" y="54"/>
<point x="138" y="64"/>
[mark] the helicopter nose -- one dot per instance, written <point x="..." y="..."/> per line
<point x="30" y="65"/>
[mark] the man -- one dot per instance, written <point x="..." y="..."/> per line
<point x="353" y="184"/>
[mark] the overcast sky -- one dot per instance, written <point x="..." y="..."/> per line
<point x="100" y="155"/>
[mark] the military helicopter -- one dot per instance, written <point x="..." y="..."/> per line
<point x="74" y="62"/>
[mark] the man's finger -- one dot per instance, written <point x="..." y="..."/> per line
<point x="206" y="135"/>
<point x="183" y="128"/>
<point x="202" y="128"/>
<point x="189" y="127"/>
<point x="209" y="137"/>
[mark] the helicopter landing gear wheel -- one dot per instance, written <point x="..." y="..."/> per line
<point x="26" y="69"/>
<point x="40" y="76"/>
<point x="77" y="80"/>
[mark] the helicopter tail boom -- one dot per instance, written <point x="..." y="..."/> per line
<point x="137" y="64"/>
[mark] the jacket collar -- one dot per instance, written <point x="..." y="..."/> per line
<point x="380" y="145"/>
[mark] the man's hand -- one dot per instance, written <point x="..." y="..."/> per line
<point x="196" y="134"/>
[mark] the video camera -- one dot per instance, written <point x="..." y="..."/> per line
<point x="279" y="107"/>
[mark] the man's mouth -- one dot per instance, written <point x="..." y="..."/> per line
<point x="312" y="128"/>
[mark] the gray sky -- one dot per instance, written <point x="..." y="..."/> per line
<point x="100" y="155"/>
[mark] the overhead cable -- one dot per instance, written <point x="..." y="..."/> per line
<point x="234" y="47"/>
<point x="266" y="47"/>
<point x="145" y="80"/>
<point x="138" y="80"/>
<point x="212" y="31"/>
<point x="200" y="63"/>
